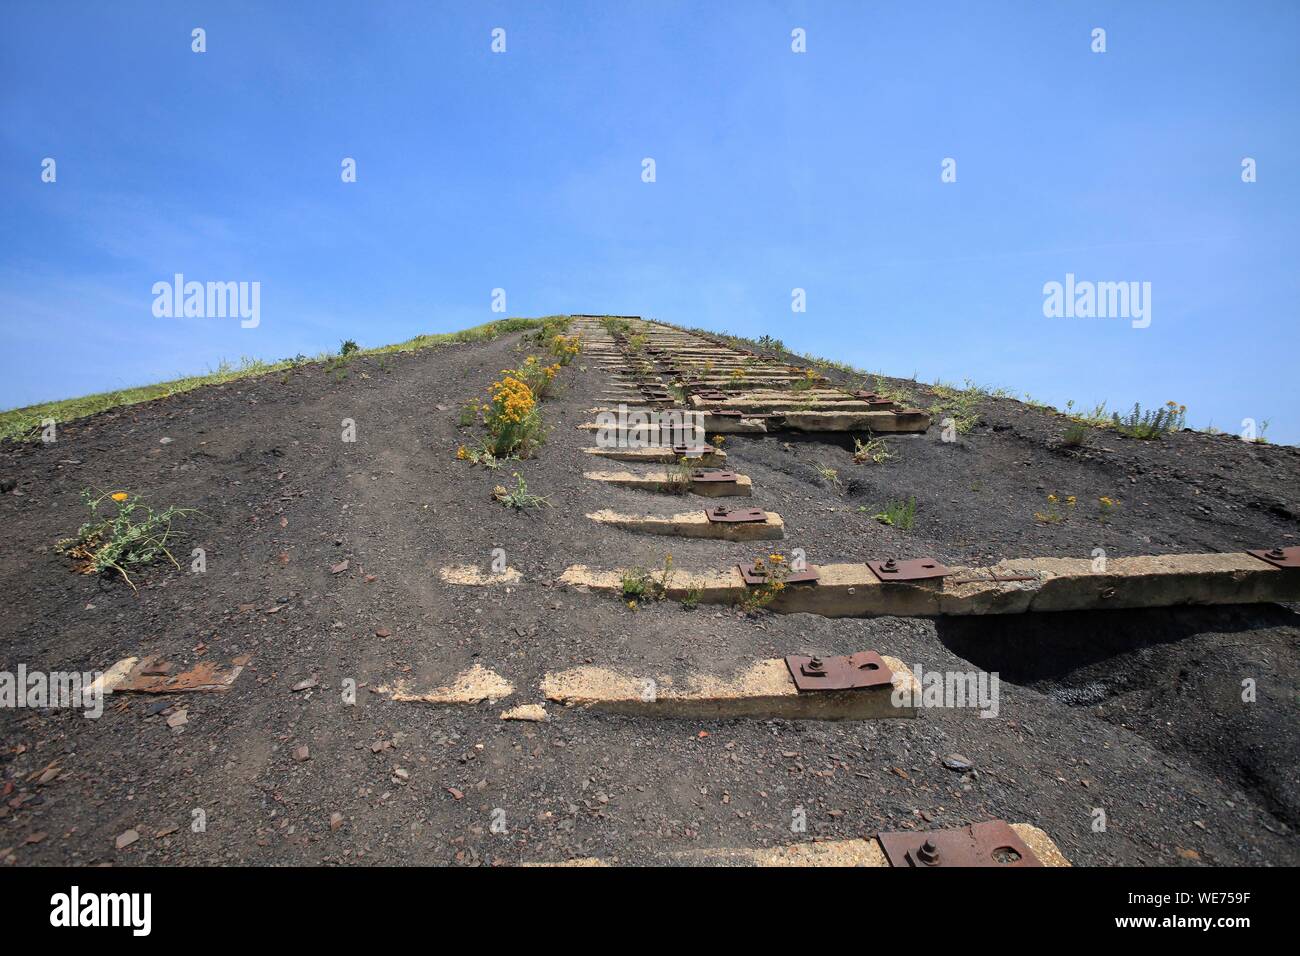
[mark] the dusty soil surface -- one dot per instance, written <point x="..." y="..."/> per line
<point x="1137" y="714"/>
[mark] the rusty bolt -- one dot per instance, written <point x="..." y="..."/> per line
<point x="929" y="853"/>
<point x="890" y="565"/>
<point x="1276" y="553"/>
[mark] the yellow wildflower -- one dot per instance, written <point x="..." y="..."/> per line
<point x="119" y="496"/>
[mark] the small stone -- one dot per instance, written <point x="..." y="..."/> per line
<point x="957" y="762"/>
<point x="301" y="753"/>
<point x="178" y="719"/>
<point x="336" y="820"/>
<point x="124" y="840"/>
<point x="532" y="712"/>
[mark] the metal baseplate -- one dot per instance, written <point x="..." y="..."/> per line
<point x="723" y="514"/>
<point x="755" y="574"/>
<point x="860" y="671"/>
<point x="991" y="843"/>
<point x="1279" y="557"/>
<point x="693" y="451"/>
<point x="712" y="475"/>
<point x="917" y="569"/>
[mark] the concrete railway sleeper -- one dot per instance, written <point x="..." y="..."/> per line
<point x="1008" y="587"/>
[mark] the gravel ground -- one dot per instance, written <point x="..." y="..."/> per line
<point x="1138" y="714"/>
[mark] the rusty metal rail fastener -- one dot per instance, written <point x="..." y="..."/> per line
<point x="991" y="843"/>
<point x="849" y="672"/>
<point x="918" y="569"/>
<point x="707" y="475"/>
<point x="755" y="575"/>
<point x="723" y="514"/>
<point x="693" y="451"/>
<point x="1279" y="557"/>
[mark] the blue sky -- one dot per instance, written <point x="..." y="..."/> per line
<point x="774" y="171"/>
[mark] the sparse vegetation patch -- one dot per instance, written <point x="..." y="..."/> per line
<point x="130" y="536"/>
<point x="1152" y="423"/>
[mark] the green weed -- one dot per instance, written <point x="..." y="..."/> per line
<point x="133" y="536"/>
<point x="898" y="514"/>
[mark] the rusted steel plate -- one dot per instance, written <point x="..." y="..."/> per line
<point x="152" y="676"/>
<point x="918" y="569"/>
<point x="992" y="843"/>
<point x="849" y="672"/>
<point x="755" y="575"/>
<point x="1279" y="557"/>
<point x="693" y="451"/>
<point x="727" y="515"/>
<point x="712" y="475"/>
